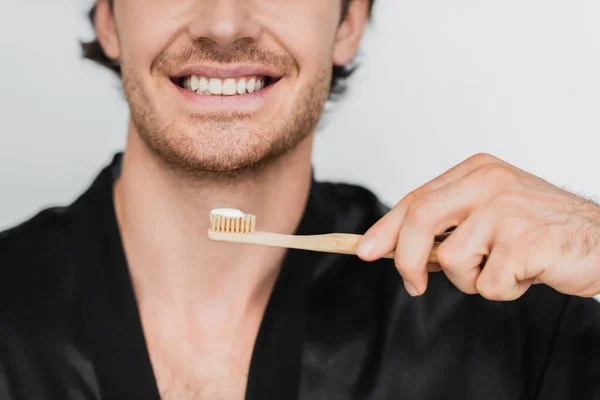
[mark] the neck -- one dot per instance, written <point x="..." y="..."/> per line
<point x="164" y="217"/>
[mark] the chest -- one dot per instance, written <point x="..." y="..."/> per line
<point x="214" y="372"/>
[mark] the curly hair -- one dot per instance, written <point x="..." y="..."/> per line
<point x="93" y="51"/>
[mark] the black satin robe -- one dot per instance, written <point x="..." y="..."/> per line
<point x="334" y="328"/>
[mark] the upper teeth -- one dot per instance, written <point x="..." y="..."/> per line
<point x="225" y="87"/>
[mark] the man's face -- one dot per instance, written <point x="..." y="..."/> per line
<point x="226" y="85"/>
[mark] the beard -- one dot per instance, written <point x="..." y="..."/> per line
<point x="220" y="143"/>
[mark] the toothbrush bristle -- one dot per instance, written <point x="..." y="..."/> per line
<point x="242" y="225"/>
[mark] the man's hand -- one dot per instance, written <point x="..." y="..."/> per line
<point x="527" y="230"/>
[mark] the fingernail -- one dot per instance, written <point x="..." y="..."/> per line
<point x="365" y="247"/>
<point x="411" y="289"/>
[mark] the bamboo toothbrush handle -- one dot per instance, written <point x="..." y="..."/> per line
<point x="342" y="243"/>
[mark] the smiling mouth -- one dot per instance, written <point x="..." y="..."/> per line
<point x="209" y="86"/>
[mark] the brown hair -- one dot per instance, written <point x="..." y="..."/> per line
<point x="93" y="51"/>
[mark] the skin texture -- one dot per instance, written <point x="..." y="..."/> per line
<point x="201" y="302"/>
<point x="525" y="229"/>
<point x="153" y="40"/>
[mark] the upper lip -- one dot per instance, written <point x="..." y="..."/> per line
<point x="229" y="72"/>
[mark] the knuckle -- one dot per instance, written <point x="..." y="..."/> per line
<point x="413" y="196"/>
<point x="488" y="291"/>
<point x="483" y="156"/>
<point x="419" y="213"/>
<point x="447" y="258"/>
<point x="497" y="174"/>
<point x="492" y="291"/>
<point x="481" y="159"/>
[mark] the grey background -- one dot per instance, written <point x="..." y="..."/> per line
<point x="440" y="80"/>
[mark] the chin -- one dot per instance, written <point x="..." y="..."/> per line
<point x="225" y="136"/>
<point x="223" y="149"/>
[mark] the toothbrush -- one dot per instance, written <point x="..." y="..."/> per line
<point x="230" y="225"/>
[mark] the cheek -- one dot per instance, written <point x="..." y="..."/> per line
<point x="147" y="27"/>
<point x="305" y="29"/>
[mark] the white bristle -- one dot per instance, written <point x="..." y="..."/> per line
<point x="232" y="221"/>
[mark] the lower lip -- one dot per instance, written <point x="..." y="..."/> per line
<point x="245" y="102"/>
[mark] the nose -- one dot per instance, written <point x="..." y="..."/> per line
<point x="224" y="22"/>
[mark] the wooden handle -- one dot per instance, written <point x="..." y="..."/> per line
<point x="341" y="243"/>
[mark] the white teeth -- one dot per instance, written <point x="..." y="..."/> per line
<point x="229" y="87"/>
<point x="241" y="86"/>
<point x="203" y="84"/>
<point x="194" y="83"/>
<point x="251" y="85"/>
<point x="215" y="86"/>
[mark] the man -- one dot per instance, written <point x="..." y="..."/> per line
<point x="122" y="296"/>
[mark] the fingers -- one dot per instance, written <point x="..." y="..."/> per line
<point x="382" y="237"/>
<point x="498" y="280"/>
<point x="504" y="276"/>
<point x="452" y="199"/>
<point x="462" y="253"/>
<point x="444" y="208"/>
<point x="412" y="254"/>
